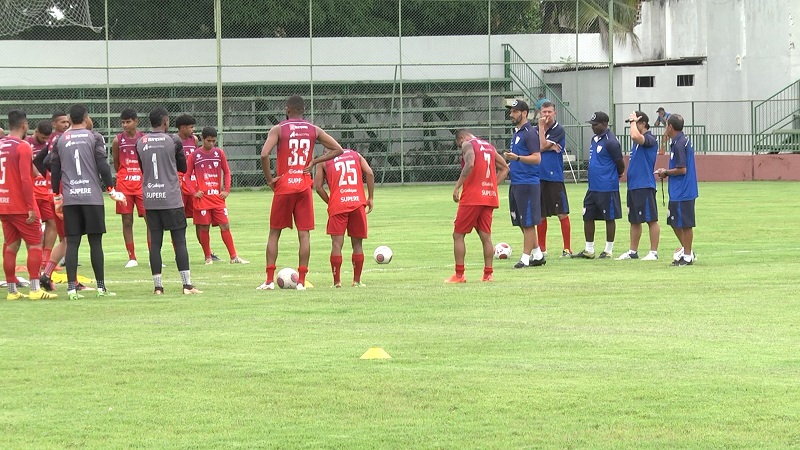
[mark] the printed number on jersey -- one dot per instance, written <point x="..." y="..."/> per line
<point x="299" y="149"/>
<point x="2" y="171"/>
<point x="347" y="173"/>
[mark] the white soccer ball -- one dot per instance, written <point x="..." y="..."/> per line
<point x="383" y="255"/>
<point x="502" y="251"/>
<point x="287" y="278"/>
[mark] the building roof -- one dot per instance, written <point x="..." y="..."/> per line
<point x="685" y="61"/>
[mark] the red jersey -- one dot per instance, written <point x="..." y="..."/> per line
<point x="207" y="168"/>
<point x="189" y="145"/>
<point x="41" y="183"/>
<point x="16" y="177"/>
<point x="295" y="151"/>
<point x="129" y="175"/>
<point x="480" y="187"/>
<point x="344" y="178"/>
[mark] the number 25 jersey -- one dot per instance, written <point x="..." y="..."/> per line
<point x="343" y="175"/>
<point x="295" y="151"/>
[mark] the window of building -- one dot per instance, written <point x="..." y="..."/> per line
<point x="645" y="82"/>
<point x="685" y="80"/>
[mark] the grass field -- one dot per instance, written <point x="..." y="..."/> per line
<point x="575" y="354"/>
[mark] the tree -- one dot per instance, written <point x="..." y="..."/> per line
<point x="592" y="16"/>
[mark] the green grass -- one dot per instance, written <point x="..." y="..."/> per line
<point x="576" y="354"/>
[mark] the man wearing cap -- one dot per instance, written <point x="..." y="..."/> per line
<point x="602" y="199"/>
<point x="642" y="186"/>
<point x="524" y="195"/>
<point x="661" y="121"/>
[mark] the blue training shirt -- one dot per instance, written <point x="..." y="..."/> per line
<point x="524" y="142"/>
<point x="604" y="152"/>
<point x="552" y="166"/>
<point x="643" y="163"/>
<point x="682" y="187"/>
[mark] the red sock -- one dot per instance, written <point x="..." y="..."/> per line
<point x="270" y="273"/>
<point x="131" y="252"/>
<point x="148" y="245"/>
<point x="336" y="268"/>
<point x="358" y="266"/>
<point x="49" y="268"/>
<point x="205" y="242"/>
<point x="227" y="238"/>
<point x="34" y="261"/>
<point x="459" y="270"/>
<point x="10" y="265"/>
<point x="541" y="233"/>
<point x="565" y="233"/>
<point x="45" y="257"/>
<point x="302" y="271"/>
<point x="487" y="271"/>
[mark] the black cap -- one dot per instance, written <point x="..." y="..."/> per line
<point x="598" y="117"/>
<point x="519" y="105"/>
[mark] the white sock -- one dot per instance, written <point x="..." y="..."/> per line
<point x="654" y="252"/>
<point x="525" y="258"/>
<point x="537" y="254"/>
<point x="689" y="256"/>
<point x="632" y="251"/>
<point x="590" y="247"/>
<point x="609" y="247"/>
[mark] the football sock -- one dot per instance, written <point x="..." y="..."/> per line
<point x="459" y="270"/>
<point x="71" y="285"/>
<point x="49" y="268"/>
<point x="34" y="284"/>
<point x="270" y="273"/>
<point x="227" y="238"/>
<point x="12" y="287"/>
<point x="205" y="242"/>
<point x="541" y="232"/>
<point x="537" y="253"/>
<point x="34" y="262"/>
<point x="101" y="285"/>
<point x="302" y="271"/>
<point x="157" y="281"/>
<point x="487" y="271"/>
<point x="590" y="247"/>
<point x="609" y="247"/>
<point x="45" y="257"/>
<point x="131" y="252"/>
<point x="186" y="278"/>
<point x="336" y="268"/>
<point x="96" y="256"/>
<point x="654" y="252"/>
<point x="10" y="265"/>
<point x="525" y="258"/>
<point x="565" y="233"/>
<point x="358" y="266"/>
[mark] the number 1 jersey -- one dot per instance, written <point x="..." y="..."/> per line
<point x="295" y="151"/>
<point x="344" y="178"/>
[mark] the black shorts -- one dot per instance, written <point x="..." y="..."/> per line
<point x="165" y="219"/>
<point x="525" y="203"/>
<point x="84" y="219"/>
<point x="681" y="214"/>
<point x="601" y="206"/>
<point x="642" y="206"/>
<point x="554" y="198"/>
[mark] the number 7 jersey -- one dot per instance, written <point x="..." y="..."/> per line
<point x="344" y="178"/>
<point x="295" y="151"/>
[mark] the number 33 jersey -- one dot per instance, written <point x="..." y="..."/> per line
<point x="343" y="175"/>
<point x="295" y="151"/>
<point x="161" y="186"/>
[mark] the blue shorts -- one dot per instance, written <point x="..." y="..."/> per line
<point x="525" y="204"/>
<point x="681" y="214"/>
<point x="601" y="206"/>
<point x="642" y="206"/>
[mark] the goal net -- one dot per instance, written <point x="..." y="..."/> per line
<point x="19" y="15"/>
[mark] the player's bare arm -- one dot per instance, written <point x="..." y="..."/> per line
<point x="534" y="158"/>
<point x="115" y="154"/>
<point x="664" y="173"/>
<point x="227" y="182"/>
<point x="370" y="176"/>
<point x="501" y="166"/>
<point x="319" y="184"/>
<point x="272" y="140"/>
<point x="544" y="144"/>
<point x="469" y="162"/>
<point x="26" y="181"/>
<point x="333" y="147"/>
<point x="192" y="186"/>
<point x="636" y="135"/>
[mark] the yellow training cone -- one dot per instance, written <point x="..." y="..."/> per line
<point x="375" y="353"/>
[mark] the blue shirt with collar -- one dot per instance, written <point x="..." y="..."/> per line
<point x="643" y="163"/>
<point x="604" y="152"/>
<point x="524" y="142"/>
<point x="682" y="187"/>
<point x="552" y="166"/>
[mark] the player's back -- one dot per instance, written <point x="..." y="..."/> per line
<point x="41" y="183"/>
<point x="129" y="175"/>
<point x="344" y="177"/>
<point x="295" y="151"/>
<point x="12" y="152"/>
<point x="161" y="185"/>
<point x="78" y="151"/>
<point x="480" y="187"/>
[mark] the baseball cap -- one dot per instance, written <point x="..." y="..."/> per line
<point x="519" y="105"/>
<point x="598" y="117"/>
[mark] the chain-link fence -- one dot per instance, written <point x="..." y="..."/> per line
<point x="393" y="79"/>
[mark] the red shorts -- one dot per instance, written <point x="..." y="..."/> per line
<point x="15" y="228"/>
<point x="354" y="222"/>
<point x="127" y="207"/>
<point x="216" y="216"/>
<point x="188" y="206"/>
<point x="299" y="206"/>
<point x="47" y="211"/>
<point x="473" y="216"/>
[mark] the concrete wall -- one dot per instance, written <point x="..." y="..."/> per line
<point x="784" y="167"/>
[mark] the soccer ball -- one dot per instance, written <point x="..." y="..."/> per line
<point x="287" y="278"/>
<point x="383" y="255"/>
<point x="502" y="251"/>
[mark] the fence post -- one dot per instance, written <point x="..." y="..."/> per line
<point x="218" y="29"/>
